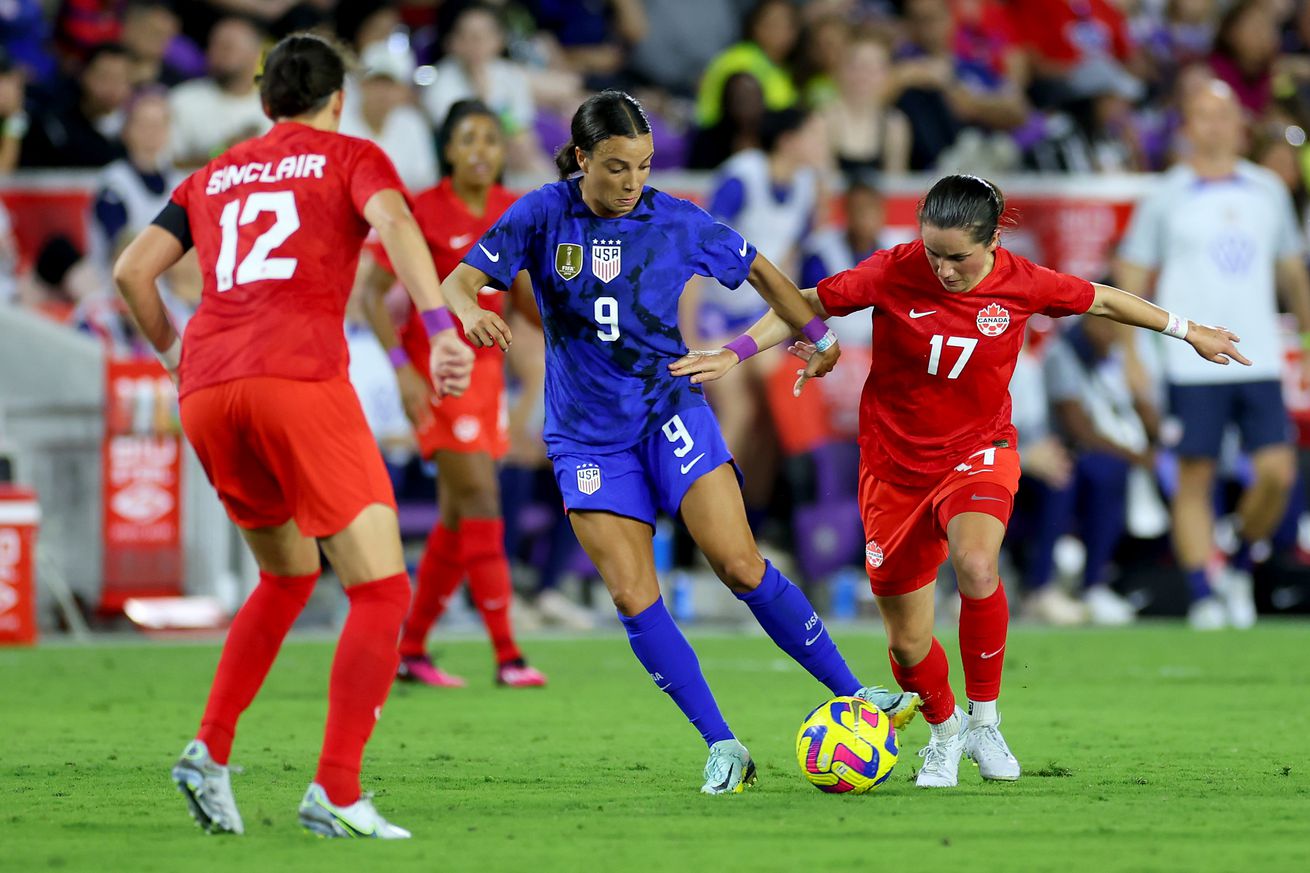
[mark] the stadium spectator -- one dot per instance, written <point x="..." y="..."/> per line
<point x="1109" y="432"/>
<point x="14" y="121"/>
<point x="61" y="278"/>
<point x="1182" y="35"/>
<point x="1245" y="52"/>
<point x="770" y="32"/>
<point x="593" y="37"/>
<point x="149" y="28"/>
<point x="738" y="128"/>
<point x="381" y="109"/>
<point x="474" y="69"/>
<point x="830" y="250"/>
<point x="221" y="109"/>
<point x="866" y="132"/>
<point x="25" y="37"/>
<point x="1076" y="47"/>
<point x="1219" y="236"/>
<point x="81" y="25"/>
<point x="677" y="47"/>
<point x="82" y="126"/>
<point x="823" y="45"/>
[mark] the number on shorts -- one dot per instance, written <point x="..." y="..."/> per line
<point x="967" y="344"/>
<point x="256" y="265"/>
<point x="677" y="432"/>
<point x="607" y="316"/>
<point x="988" y="457"/>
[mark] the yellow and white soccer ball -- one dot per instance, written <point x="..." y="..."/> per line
<point x="846" y="745"/>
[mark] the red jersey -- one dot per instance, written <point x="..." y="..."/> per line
<point x="451" y="230"/>
<point x="1065" y="33"/>
<point x="942" y="361"/>
<point x="278" y="222"/>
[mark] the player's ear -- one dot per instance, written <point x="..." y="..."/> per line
<point x="337" y="101"/>
<point x="581" y="158"/>
<point x="995" y="241"/>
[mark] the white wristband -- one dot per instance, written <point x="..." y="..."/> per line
<point x="171" y="357"/>
<point x="1176" y="327"/>
<point x="827" y="341"/>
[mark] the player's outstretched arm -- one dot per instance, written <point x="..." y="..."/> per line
<point x="136" y="273"/>
<point x="482" y="327"/>
<point x="415" y="396"/>
<point x="1215" y="344"/>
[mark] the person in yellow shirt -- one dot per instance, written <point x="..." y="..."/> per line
<point x="771" y="30"/>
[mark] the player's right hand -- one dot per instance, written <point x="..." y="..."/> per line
<point x="415" y="395"/>
<point x="817" y="364"/>
<point x="1215" y="344"/>
<point x="451" y="364"/>
<point x="486" y="329"/>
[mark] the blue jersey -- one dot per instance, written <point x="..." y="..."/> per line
<point x="608" y="291"/>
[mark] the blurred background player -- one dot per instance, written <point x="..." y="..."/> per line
<point x="1220" y="236"/>
<point x="628" y="436"/>
<point x="278" y="223"/>
<point x="465" y="436"/>
<point x="939" y="467"/>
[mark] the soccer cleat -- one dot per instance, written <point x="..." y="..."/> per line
<point x="729" y="769"/>
<point x="360" y="819"/>
<point x="941" y="758"/>
<point x="557" y="609"/>
<point x="987" y="748"/>
<point x="901" y="706"/>
<point x="207" y="787"/>
<point x="1207" y="614"/>
<point x="517" y="674"/>
<point x="421" y="669"/>
<point x="1107" y="608"/>
<point x="1235" y="590"/>
<point x="1050" y="605"/>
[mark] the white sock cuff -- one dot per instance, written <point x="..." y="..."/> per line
<point x="983" y="712"/>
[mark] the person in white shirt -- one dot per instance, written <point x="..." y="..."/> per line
<point x="379" y="108"/>
<point x="1220" y="236"/>
<point x="223" y="108"/>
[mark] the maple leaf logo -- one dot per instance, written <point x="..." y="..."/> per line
<point x="993" y="319"/>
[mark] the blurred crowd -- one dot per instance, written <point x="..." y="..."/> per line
<point x="799" y="110"/>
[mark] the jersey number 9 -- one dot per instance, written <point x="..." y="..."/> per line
<point x="256" y="265"/>
<point x="607" y="316"/>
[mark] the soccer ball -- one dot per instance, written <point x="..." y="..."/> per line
<point x="846" y="745"/>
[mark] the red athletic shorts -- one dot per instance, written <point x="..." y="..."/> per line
<point x="277" y="449"/>
<point x="475" y="422"/>
<point x="906" y="526"/>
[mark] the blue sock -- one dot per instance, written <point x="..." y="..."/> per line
<point x="668" y="658"/>
<point x="1198" y="584"/>
<point x="786" y="615"/>
<point x="1241" y="559"/>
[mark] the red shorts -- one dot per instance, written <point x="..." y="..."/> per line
<point x="906" y="525"/>
<point x="473" y="423"/>
<point x="278" y="449"/>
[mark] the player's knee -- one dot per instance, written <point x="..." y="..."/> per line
<point x="1277" y="475"/>
<point x="633" y="600"/>
<point x="909" y="647"/>
<point x="976" y="573"/>
<point x="741" y="573"/>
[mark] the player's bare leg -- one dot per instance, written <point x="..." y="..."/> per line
<point x="1259" y="511"/>
<point x="1193" y="536"/>
<point x="367" y="557"/>
<point x="714" y="514"/>
<point x="288" y="564"/>
<point x="622" y="552"/>
<point x="919" y="664"/>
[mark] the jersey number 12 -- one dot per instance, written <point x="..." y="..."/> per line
<point x="256" y="265"/>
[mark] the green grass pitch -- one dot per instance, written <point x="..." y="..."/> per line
<point x="1151" y="748"/>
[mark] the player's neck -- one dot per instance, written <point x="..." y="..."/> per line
<point x="987" y="271"/>
<point x="472" y="196"/>
<point x="1213" y="166"/>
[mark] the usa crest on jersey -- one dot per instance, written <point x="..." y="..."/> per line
<point x="606" y="259"/>
<point x="993" y="319"/>
<point x="588" y="478"/>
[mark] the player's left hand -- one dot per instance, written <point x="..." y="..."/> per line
<point x="451" y="364"/>
<point x="485" y="329"/>
<point x="704" y="366"/>
<point x="1215" y="344"/>
<point x="817" y="364"/>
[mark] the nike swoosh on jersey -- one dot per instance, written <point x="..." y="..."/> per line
<point x="458" y="242"/>
<point x="687" y="466"/>
<point x="744" y="246"/>
<point x="493" y="258"/>
<point x="913" y="314"/>
<point x="987" y="655"/>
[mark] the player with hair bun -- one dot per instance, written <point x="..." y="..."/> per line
<point x="277" y="223"/>
<point x="938" y="458"/>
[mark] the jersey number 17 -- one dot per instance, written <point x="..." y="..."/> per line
<point x="256" y="266"/>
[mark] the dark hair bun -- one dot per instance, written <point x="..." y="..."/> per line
<point x="300" y="74"/>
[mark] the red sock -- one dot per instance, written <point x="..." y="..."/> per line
<point x="440" y="571"/>
<point x="930" y="679"/>
<point x="252" y="645"/>
<point x="362" y="670"/>
<point x="483" y="541"/>
<point x="983" y="624"/>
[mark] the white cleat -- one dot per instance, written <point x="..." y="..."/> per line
<point x="1207" y="614"/>
<point x="207" y="787"/>
<point x="1107" y="609"/>
<point x="941" y="758"/>
<point x="557" y="609"/>
<point x="987" y="748"/>
<point x="360" y="819"/>
<point x="729" y="769"/>
<point x="1054" y="607"/>
<point x="1235" y="589"/>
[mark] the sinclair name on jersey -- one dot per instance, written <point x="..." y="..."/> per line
<point x="290" y="167"/>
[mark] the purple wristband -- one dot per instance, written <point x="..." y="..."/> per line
<point x="437" y="320"/>
<point x="815" y="330"/>
<point x="398" y="357"/>
<point x="744" y="346"/>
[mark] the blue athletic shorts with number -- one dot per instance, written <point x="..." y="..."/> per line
<point x="1205" y="411"/>
<point x="650" y="476"/>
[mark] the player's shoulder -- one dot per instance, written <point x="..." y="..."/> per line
<point x="1262" y="177"/>
<point x="898" y="257"/>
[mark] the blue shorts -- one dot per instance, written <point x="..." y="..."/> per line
<point x="651" y="476"/>
<point x="715" y="322"/>
<point x="1205" y="411"/>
